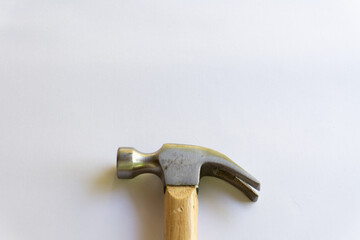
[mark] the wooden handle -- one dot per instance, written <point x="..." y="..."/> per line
<point x="181" y="213"/>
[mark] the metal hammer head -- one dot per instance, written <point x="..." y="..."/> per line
<point x="184" y="165"/>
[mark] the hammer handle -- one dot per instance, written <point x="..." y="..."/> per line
<point x="181" y="213"/>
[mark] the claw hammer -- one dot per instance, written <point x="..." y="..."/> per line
<point x="180" y="168"/>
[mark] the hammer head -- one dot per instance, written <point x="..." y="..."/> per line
<point x="184" y="165"/>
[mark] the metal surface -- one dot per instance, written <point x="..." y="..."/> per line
<point x="184" y="165"/>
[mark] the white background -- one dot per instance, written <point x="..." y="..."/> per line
<point x="274" y="85"/>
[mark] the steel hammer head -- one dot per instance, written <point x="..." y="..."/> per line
<point x="184" y="165"/>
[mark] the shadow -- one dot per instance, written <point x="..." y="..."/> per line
<point x="146" y="193"/>
<point x="216" y="194"/>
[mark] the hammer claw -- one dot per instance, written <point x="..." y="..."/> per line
<point x="238" y="183"/>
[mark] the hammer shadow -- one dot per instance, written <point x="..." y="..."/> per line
<point x="145" y="192"/>
<point x="212" y="192"/>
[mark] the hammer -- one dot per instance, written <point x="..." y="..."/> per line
<point x="180" y="168"/>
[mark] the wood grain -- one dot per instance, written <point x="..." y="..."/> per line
<point x="181" y="213"/>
